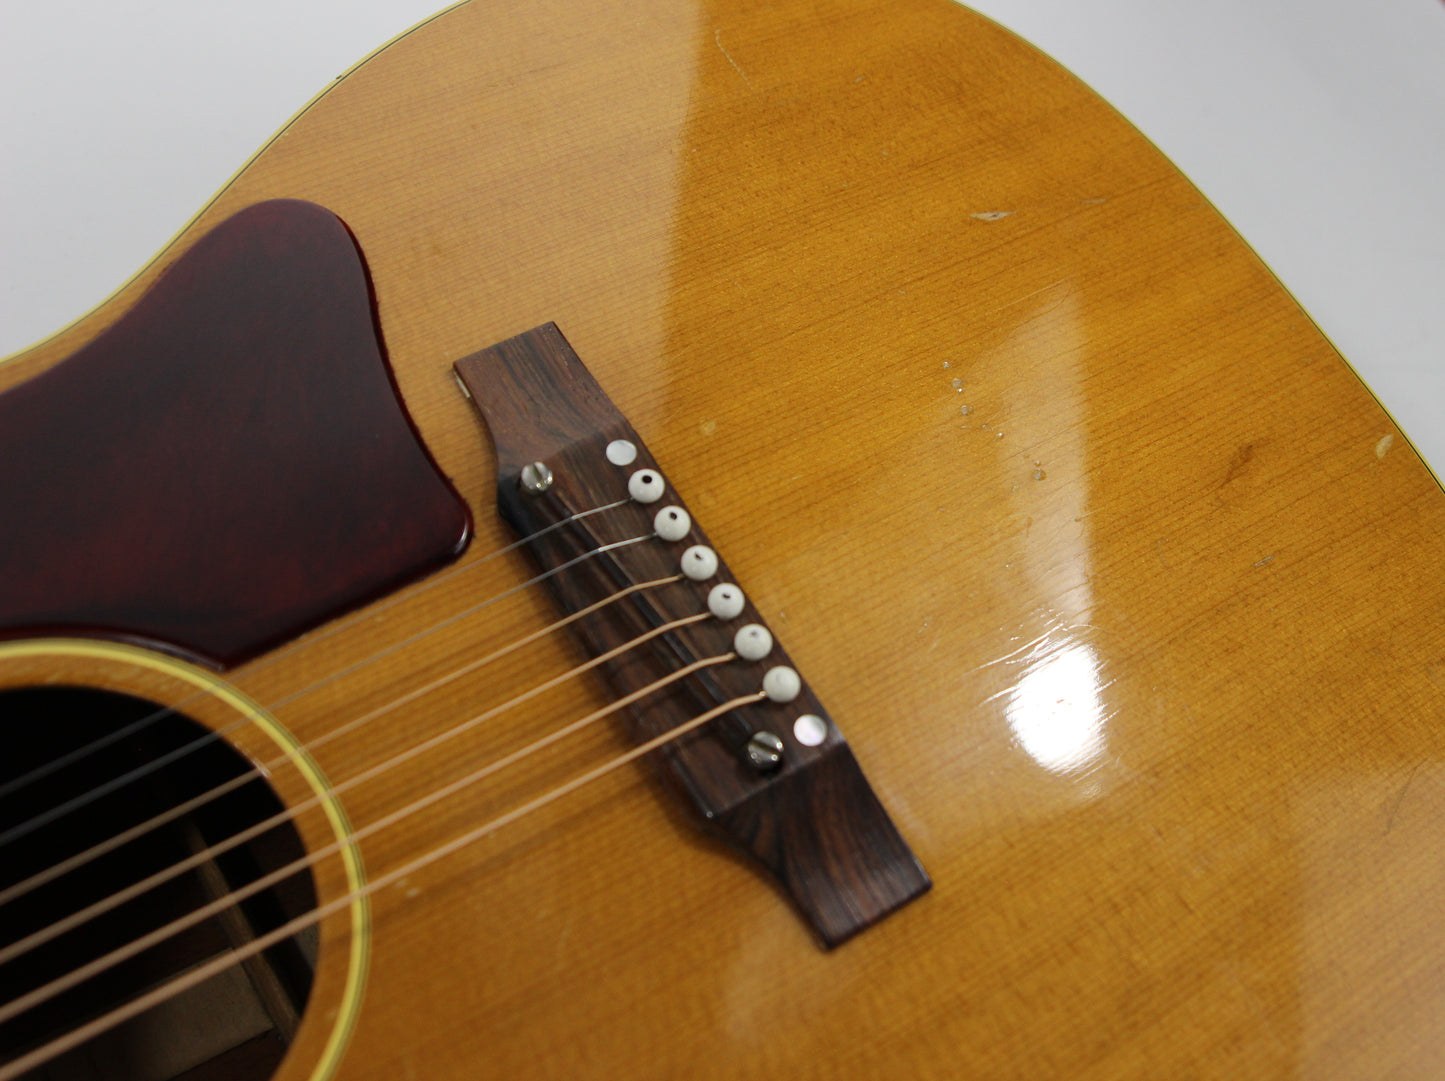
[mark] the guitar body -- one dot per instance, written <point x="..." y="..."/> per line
<point x="1126" y="593"/>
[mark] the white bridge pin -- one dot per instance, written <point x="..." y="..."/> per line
<point x="672" y="523"/>
<point x="782" y="684"/>
<point x="753" y="642"/>
<point x="646" y="486"/>
<point x="725" y="601"/>
<point x="699" y="562"/>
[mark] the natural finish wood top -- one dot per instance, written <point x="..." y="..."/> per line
<point x="1126" y="592"/>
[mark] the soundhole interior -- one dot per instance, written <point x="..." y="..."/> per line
<point x="235" y="1025"/>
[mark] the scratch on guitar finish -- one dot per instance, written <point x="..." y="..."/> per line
<point x="1399" y="799"/>
<point x="717" y="38"/>
<point x="1238" y="464"/>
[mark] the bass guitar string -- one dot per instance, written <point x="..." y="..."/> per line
<point x="256" y="772"/>
<point x="84" y="799"/>
<point x="111" y="901"/>
<point x="100" y="964"/>
<point x="319" y="634"/>
<point x="109" y="1020"/>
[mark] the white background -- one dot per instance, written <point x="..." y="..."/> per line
<point x="1316" y="126"/>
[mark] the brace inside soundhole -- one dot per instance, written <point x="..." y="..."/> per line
<point x="225" y="1029"/>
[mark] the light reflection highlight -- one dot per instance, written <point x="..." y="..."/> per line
<point x="1056" y="710"/>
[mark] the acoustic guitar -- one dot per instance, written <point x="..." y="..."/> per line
<point x="824" y="423"/>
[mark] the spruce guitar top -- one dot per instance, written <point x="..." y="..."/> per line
<point x="1110" y="594"/>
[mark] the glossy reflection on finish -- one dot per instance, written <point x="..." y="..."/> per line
<point x="1055" y="708"/>
<point x="1056" y="711"/>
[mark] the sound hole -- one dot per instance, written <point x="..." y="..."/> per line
<point x="235" y="1025"/>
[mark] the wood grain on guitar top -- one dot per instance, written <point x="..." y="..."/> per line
<point x="1127" y="594"/>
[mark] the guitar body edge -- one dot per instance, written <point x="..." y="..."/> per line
<point x="1126" y="591"/>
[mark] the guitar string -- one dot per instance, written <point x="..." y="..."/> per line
<point x="311" y="638"/>
<point x="472" y="666"/>
<point x="119" y="897"/>
<point x="109" y="1020"/>
<point x="89" y="796"/>
<point x="264" y="769"/>
<point x="315" y="915"/>
<point x="114" y="900"/>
